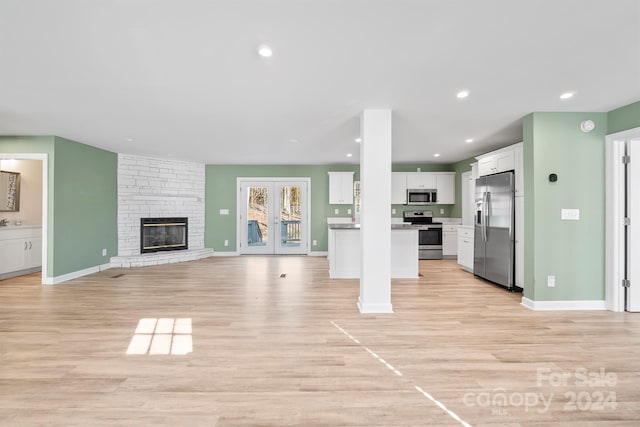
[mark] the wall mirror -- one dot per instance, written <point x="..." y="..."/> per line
<point x="9" y="191"/>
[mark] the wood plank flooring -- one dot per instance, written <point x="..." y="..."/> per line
<point x="294" y="351"/>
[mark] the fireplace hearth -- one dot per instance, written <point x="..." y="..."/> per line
<point x="163" y="234"/>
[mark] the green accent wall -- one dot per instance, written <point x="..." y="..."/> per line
<point x="221" y="184"/>
<point x="82" y="206"/>
<point x="573" y="251"/>
<point x="85" y="206"/>
<point x="623" y="118"/>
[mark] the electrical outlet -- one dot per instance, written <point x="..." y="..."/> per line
<point x="226" y="243"/>
<point x="348" y="211"/>
<point x="337" y="211"/>
<point x="393" y="211"/>
<point x="551" y="281"/>
<point x="315" y="243"/>
<point x="104" y="252"/>
<point x="441" y="211"/>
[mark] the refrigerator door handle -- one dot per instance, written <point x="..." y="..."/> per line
<point x="487" y="213"/>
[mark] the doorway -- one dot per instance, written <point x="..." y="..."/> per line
<point x="623" y="221"/>
<point x="273" y="215"/>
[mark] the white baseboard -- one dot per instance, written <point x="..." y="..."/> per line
<point x="226" y="254"/>
<point x="318" y="253"/>
<point x="74" y="275"/>
<point x="563" y="305"/>
<point x="374" y="308"/>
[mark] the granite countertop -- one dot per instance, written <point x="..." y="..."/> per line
<point x="357" y="227"/>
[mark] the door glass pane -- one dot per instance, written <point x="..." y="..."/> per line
<point x="257" y="216"/>
<point x="290" y="214"/>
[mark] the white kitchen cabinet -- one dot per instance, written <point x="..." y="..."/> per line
<point x="449" y="241"/>
<point x="465" y="248"/>
<point x="341" y="188"/>
<point x="519" y="235"/>
<point x="20" y="249"/>
<point x="518" y="153"/>
<point x="421" y="180"/>
<point x="398" y="188"/>
<point x="446" y="187"/>
<point x="497" y="161"/>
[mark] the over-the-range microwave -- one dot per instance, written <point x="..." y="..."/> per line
<point x="421" y="196"/>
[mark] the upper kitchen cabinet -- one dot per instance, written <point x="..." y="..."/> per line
<point x="518" y="152"/>
<point x="398" y="188"/>
<point x="446" y="187"/>
<point x="497" y="161"/>
<point x="421" y="180"/>
<point x="341" y="188"/>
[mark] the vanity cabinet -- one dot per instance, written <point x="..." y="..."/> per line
<point x="20" y="250"/>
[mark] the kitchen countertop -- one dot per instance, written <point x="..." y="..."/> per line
<point x="357" y="227"/>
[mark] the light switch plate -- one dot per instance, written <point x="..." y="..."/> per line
<point x="551" y="281"/>
<point x="337" y="211"/>
<point x="348" y="211"/>
<point x="570" y="214"/>
<point x="224" y="211"/>
<point x="393" y="211"/>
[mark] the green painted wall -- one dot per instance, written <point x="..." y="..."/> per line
<point x="623" y="118"/>
<point x="85" y="206"/>
<point x="220" y="193"/>
<point x="82" y="207"/>
<point x="221" y="185"/>
<point x="573" y="251"/>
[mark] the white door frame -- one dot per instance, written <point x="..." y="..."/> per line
<point x="239" y="205"/>
<point x="45" y="204"/>
<point x="615" y="230"/>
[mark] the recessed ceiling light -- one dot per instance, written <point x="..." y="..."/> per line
<point x="436" y="155"/>
<point x="468" y="140"/>
<point x="293" y="140"/>
<point x="463" y="94"/>
<point x="567" y="95"/>
<point x="349" y="155"/>
<point x="129" y="139"/>
<point x="358" y="139"/>
<point x="265" y="51"/>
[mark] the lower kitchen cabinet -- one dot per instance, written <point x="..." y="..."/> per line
<point x="465" y="247"/>
<point x="20" y="250"/>
<point x="449" y="241"/>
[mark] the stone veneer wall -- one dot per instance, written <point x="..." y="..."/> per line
<point x="149" y="187"/>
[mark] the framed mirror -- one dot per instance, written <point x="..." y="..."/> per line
<point x="9" y="191"/>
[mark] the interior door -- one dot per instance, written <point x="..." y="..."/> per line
<point x="273" y="217"/>
<point x="633" y="230"/>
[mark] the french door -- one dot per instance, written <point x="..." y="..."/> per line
<point x="273" y="216"/>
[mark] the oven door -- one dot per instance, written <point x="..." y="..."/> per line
<point x="430" y="243"/>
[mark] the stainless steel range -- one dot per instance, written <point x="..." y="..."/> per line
<point x="429" y="233"/>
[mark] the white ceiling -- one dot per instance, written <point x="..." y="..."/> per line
<point x="182" y="79"/>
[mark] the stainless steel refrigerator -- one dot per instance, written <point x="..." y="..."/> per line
<point x="494" y="229"/>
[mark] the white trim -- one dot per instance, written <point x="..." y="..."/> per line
<point x="74" y="275"/>
<point x="226" y="254"/>
<point x="44" y="157"/>
<point x="564" y="305"/>
<point x="318" y="253"/>
<point x="374" y="308"/>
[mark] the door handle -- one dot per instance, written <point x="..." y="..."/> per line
<point x="25" y="246"/>
<point x="29" y="245"/>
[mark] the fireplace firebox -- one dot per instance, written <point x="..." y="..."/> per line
<point x="163" y="234"/>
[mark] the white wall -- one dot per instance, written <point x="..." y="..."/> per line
<point x="30" y="191"/>
<point x="149" y="187"/>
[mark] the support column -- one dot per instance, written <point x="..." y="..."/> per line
<point x="375" y="214"/>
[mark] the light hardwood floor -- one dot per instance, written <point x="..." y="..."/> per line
<point x="273" y="351"/>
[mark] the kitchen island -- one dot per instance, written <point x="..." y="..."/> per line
<point x="344" y="251"/>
